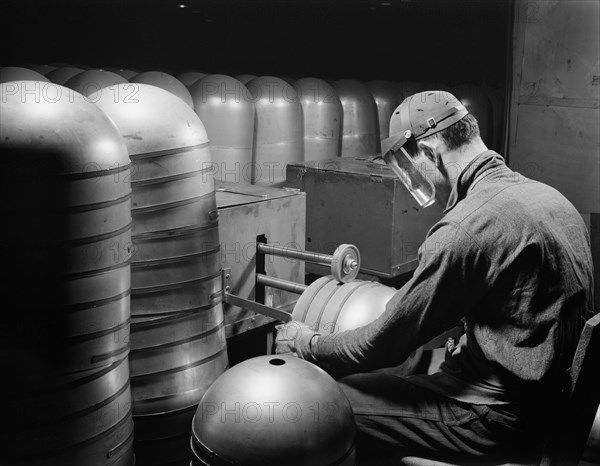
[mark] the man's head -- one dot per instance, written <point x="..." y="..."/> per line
<point x="447" y="136"/>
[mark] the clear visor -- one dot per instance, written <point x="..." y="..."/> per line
<point x="402" y="155"/>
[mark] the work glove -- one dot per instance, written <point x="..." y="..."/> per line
<point x="297" y="338"/>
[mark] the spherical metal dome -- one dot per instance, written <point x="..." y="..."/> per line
<point x="273" y="410"/>
<point x="387" y="98"/>
<point x="92" y="81"/>
<point x="278" y="138"/>
<point x="225" y="107"/>
<point x="323" y="118"/>
<point x="361" y="122"/>
<point x="17" y="73"/>
<point x="189" y="78"/>
<point x="165" y="81"/>
<point x="62" y="75"/>
<point x="245" y="78"/>
<point x="127" y="74"/>
<point x="42" y="69"/>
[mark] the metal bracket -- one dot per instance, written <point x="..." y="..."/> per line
<point x="244" y="303"/>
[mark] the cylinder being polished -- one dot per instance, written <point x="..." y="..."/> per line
<point x="274" y="410"/>
<point x="177" y="335"/>
<point x="329" y="306"/>
<point x="92" y="81"/>
<point x="165" y="81"/>
<point x="65" y="343"/>
<point x="361" y="122"/>
<point x="17" y="73"/>
<point x="226" y="109"/>
<point x="278" y="136"/>
<point x="323" y="119"/>
<point x="387" y="98"/>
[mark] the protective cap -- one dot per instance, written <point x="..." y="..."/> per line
<point x="427" y="113"/>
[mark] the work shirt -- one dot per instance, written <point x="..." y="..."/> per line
<point x="511" y="258"/>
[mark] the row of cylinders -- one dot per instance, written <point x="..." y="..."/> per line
<point x="112" y="268"/>
<point x="257" y="125"/>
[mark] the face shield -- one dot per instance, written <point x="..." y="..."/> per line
<point x="402" y="155"/>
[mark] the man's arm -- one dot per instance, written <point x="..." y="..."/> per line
<point x="448" y="282"/>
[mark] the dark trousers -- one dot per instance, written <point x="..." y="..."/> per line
<point x="395" y="418"/>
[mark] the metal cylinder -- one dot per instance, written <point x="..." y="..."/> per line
<point x="16" y="73"/>
<point x="65" y="339"/>
<point x="245" y="78"/>
<point x="189" y="78"/>
<point x="280" y="284"/>
<point x="294" y="254"/>
<point x="477" y="103"/>
<point x="330" y="307"/>
<point x="164" y="81"/>
<point x="93" y="81"/>
<point x="387" y="98"/>
<point x="277" y="130"/>
<point x="322" y="117"/>
<point x="42" y="69"/>
<point x="62" y="75"/>
<point x="273" y="410"/>
<point x="361" y="122"/>
<point x="177" y="340"/>
<point x="226" y="109"/>
<point x="127" y="74"/>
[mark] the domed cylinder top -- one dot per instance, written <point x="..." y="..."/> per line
<point x="226" y="108"/>
<point x="42" y="69"/>
<point x="323" y="118"/>
<point x="245" y="78"/>
<point x="62" y="75"/>
<point x="189" y="78"/>
<point x="273" y="410"/>
<point x="361" y="122"/>
<point x="387" y="98"/>
<point x="278" y="136"/>
<point x="477" y="103"/>
<point x="165" y="81"/>
<point x="92" y="81"/>
<point x="127" y="74"/>
<point x="17" y="73"/>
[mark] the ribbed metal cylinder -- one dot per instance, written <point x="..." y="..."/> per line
<point x="387" y="98"/>
<point x="361" y="122"/>
<point x="226" y="109"/>
<point x="477" y="103"/>
<point x="92" y="81"/>
<point x="165" y="81"/>
<point x="17" y="73"/>
<point x="322" y="118"/>
<point x="65" y="340"/>
<point x="329" y="307"/>
<point x="278" y="138"/>
<point x="63" y="74"/>
<point x="177" y="341"/>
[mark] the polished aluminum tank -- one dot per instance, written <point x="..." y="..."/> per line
<point x="476" y="101"/>
<point x="361" y="122"/>
<point x="127" y="74"/>
<point x="387" y="98"/>
<point x="227" y="111"/>
<point x="177" y="337"/>
<point x="278" y="136"/>
<point x="62" y="75"/>
<point x="42" y="69"/>
<point x="17" y="73"/>
<point x="189" y="78"/>
<point x="322" y="118"/>
<point x="245" y="78"/>
<point x="274" y="410"/>
<point x="165" y="81"/>
<point x="329" y="307"/>
<point x="92" y="81"/>
<point x="66" y="339"/>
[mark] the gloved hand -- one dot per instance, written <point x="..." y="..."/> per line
<point x="295" y="337"/>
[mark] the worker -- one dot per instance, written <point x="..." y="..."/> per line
<point x="510" y="260"/>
